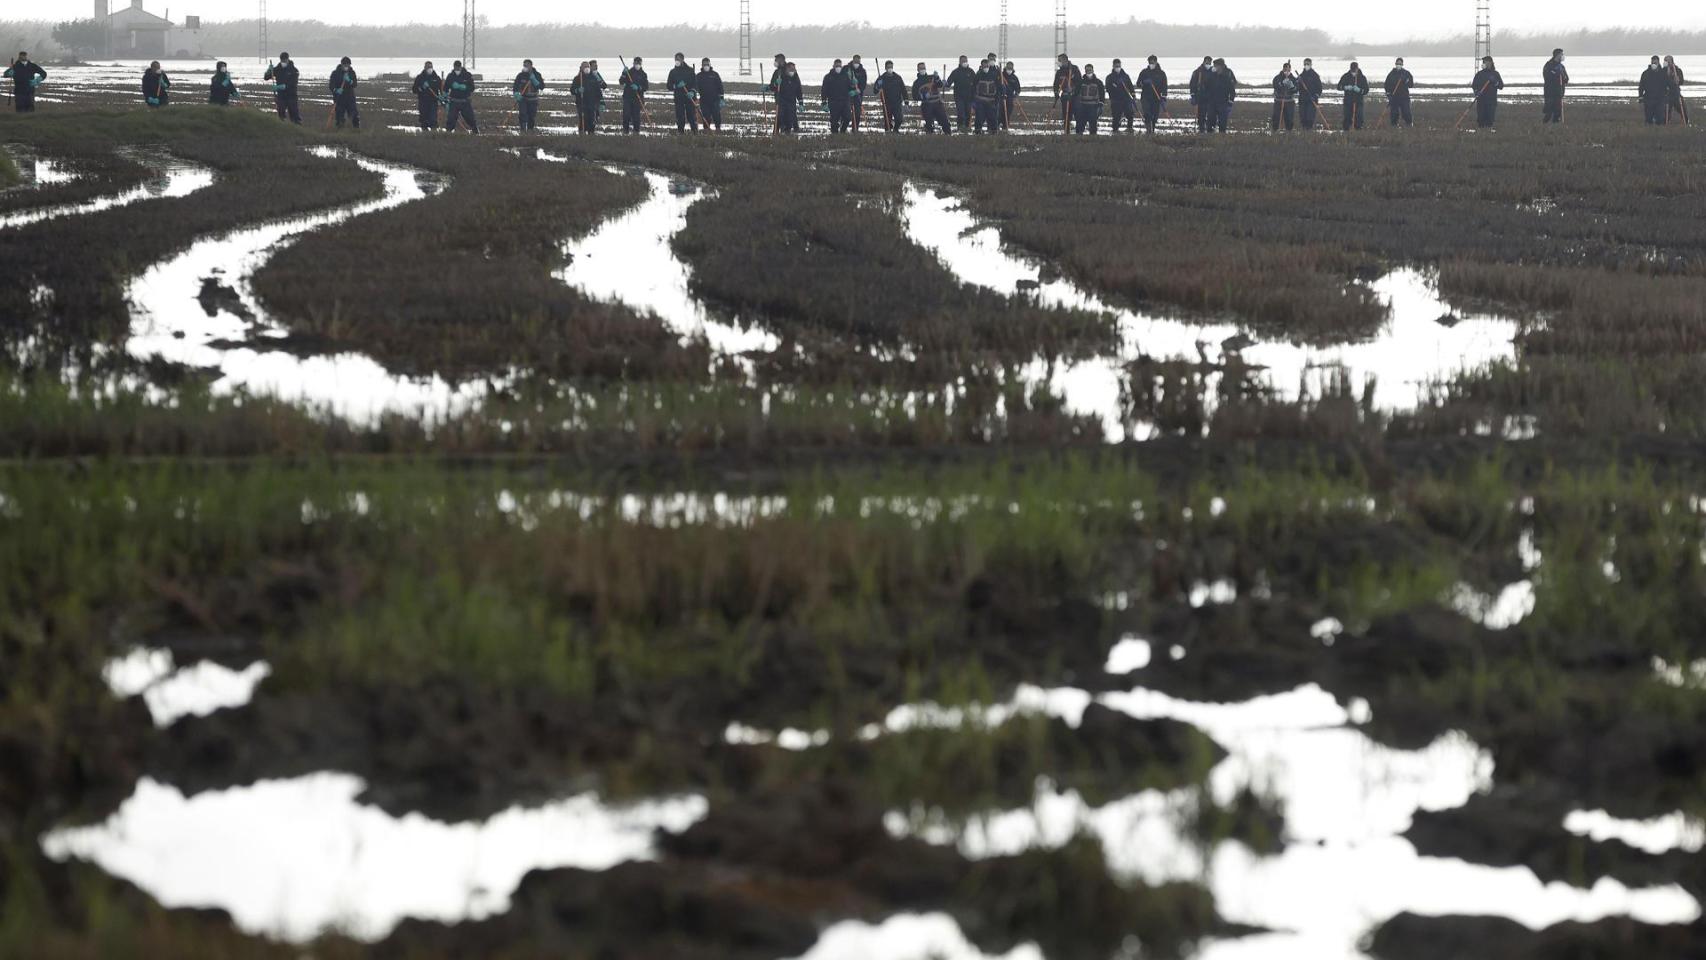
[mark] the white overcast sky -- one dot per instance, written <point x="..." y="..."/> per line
<point x="1378" y="21"/>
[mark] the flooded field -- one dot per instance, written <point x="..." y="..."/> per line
<point x="758" y="547"/>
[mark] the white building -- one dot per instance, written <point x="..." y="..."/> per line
<point x="135" y="34"/>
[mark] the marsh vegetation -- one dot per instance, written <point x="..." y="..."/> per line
<point x="1096" y="594"/>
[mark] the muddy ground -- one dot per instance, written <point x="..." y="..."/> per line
<point x="1309" y="512"/>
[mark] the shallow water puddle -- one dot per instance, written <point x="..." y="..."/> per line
<point x="170" y="178"/>
<point x="169" y="319"/>
<point x="40" y="171"/>
<point x="628" y="259"/>
<point x="291" y="859"/>
<point x="1657" y="835"/>
<point x="171" y="693"/>
<point x="906" y="936"/>
<point x="1513" y="604"/>
<point x="1413" y="348"/>
<point x="1346" y="801"/>
<point x="1688" y="676"/>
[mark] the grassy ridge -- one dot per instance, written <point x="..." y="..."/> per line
<point x="461" y="283"/>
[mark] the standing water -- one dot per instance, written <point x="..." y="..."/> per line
<point x="168" y="177"/>
<point x="169" y="320"/>
<point x="628" y="259"/>
<point x="1413" y="348"/>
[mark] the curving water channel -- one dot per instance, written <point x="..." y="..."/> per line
<point x="1413" y="349"/>
<point x="626" y="259"/>
<point x="170" y="320"/>
<point x="168" y="177"/>
<point x="629" y="259"/>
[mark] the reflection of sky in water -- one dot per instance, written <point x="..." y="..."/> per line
<point x="37" y="171"/>
<point x="906" y="936"/>
<point x="628" y="259"/>
<point x="167" y="319"/>
<point x="169" y="178"/>
<point x="1411" y="349"/>
<point x="293" y="858"/>
<point x="171" y="693"/>
<point x="1673" y="831"/>
<point x="1346" y="800"/>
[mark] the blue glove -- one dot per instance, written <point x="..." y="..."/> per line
<point x="154" y="101"/>
<point x="279" y="88"/>
<point x="517" y="95"/>
<point x="35" y="81"/>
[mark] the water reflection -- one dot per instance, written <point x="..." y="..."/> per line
<point x="172" y="318"/>
<point x="291" y="859"/>
<point x="1655" y="835"/>
<point x="168" y="177"/>
<point x="1346" y="801"/>
<point x="906" y="936"/>
<point x="1413" y="348"/>
<point x="37" y="171"/>
<point x="171" y="693"/>
<point x="629" y="259"/>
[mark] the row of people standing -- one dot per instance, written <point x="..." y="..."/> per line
<point x="697" y="97"/>
<point x="985" y="97"/>
<point x="1082" y="95"/>
<point x="1213" y="90"/>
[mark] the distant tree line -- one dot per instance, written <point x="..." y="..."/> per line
<point x="1132" y="39"/>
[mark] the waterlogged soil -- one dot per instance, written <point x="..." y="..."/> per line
<point x="1372" y="637"/>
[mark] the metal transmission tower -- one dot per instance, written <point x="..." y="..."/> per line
<point x="1059" y="28"/>
<point x="746" y="38"/>
<point x="265" y="46"/>
<point x="1483" y="30"/>
<point x="468" y="53"/>
<point x="1001" y="38"/>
